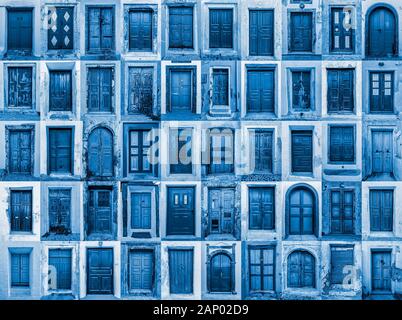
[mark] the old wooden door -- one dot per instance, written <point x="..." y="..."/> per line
<point x="302" y="151"/>
<point x="21" y="210"/>
<point x="141" y="270"/>
<point x="262" y="208"/>
<point x="181" y="88"/>
<point x="180" y="215"/>
<point x="382" y="33"/>
<point x="301" y="269"/>
<point x="260" y="91"/>
<point x="261" y="39"/>
<point x="181" y="27"/>
<point x="20" y="151"/>
<point x="20" y="29"/>
<point x="140" y="98"/>
<point x="100" y="271"/>
<point x="141" y="210"/>
<point x="263" y="148"/>
<point x="100" y="211"/>
<point x="221" y="273"/>
<point x="60" y="91"/>
<point x="221" y="210"/>
<point x="381" y="271"/>
<point x="181" y="271"/>
<point x="59" y="210"/>
<point x="100" y="153"/>
<point x="221" y="28"/>
<point x="140" y="32"/>
<point x="60" y="259"/>
<point x="301" y="211"/>
<point x="382" y="149"/>
<point x="301" y="32"/>
<point x="60" y="151"/>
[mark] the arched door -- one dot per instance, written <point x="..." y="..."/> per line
<point x="301" y="211"/>
<point x="382" y="33"/>
<point x="100" y="153"/>
<point x="301" y="269"/>
<point x="221" y="273"/>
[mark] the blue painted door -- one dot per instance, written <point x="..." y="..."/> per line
<point x="140" y="30"/>
<point x="20" y="87"/>
<point x="342" y="211"/>
<point x="263" y="149"/>
<point x="181" y="27"/>
<point x="100" y="29"/>
<point x="261" y="37"/>
<point x="301" y="88"/>
<point x="221" y="273"/>
<point x="341" y="260"/>
<point x="20" y="152"/>
<point x="382" y="148"/>
<point x="342" y="31"/>
<point x="261" y="268"/>
<point x="381" y="210"/>
<point x="301" y="32"/>
<point x="342" y="144"/>
<point x="140" y="85"/>
<point x="100" y="90"/>
<point x="301" y="212"/>
<point x="220" y="89"/>
<point x="180" y="151"/>
<point x="221" y="152"/>
<point x="60" y="35"/>
<point x="19" y="36"/>
<point x="100" y="271"/>
<point x="141" y="210"/>
<point x="221" y="210"/>
<point x="21" y="210"/>
<point x="381" y="271"/>
<point x="180" y="212"/>
<point x="262" y="208"/>
<point x="60" y="90"/>
<point x="100" y="153"/>
<point x="140" y="143"/>
<point x="220" y="28"/>
<point x="60" y="151"/>
<point x="20" y="269"/>
<point x="60" y="259"/>
<point x="382" y="33"/>
<point x="382" y="92"/>
<point x="260" y="90"/>
<point x="59" y="210"/>
<point x="141" y="273"/>
<point x="301" y="270"/>
<point x="340" y="90"/>
<point x="181" y="90"/>
<point x="100" y="211"/>
<point x="302" y="151"/>
<point x="181" y="271"/>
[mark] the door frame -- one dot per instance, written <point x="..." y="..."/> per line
<point x="380" y="250"/>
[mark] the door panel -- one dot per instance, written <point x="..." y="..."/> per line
<point x="140" y="30"/>
<point x="59" y="210"/>
<point x="60" y="35"/>
<point x="20" y="87"/>
<point x="180" y="27"/>
<point x="100" y="271"/>
<point x="301" y="211"/>
<point x="301" y="32"/>
<point x="141" y="269"/>
<point x="60" y="149"/>
<point x="21" y="210"/>
<point x="100" y="211"/>
<point x="140" y="90"/>
<point x="141" y="210"/>
<point x="181" y="87"/>
<point x="261" y="206"/>
<point x="302" y="151"/>
<point x="261" y="32"/>
<point x="382" y="33"/>
<point x="60" y="259"/>
<point x="181" y="271"/>
<point x="221" y="210"/>
<point x="260" y="87"/>
<point x="60" y="91"/>
<point x="221" y="273"/>
<point x="180" y="215"/>
<point x="19" y="30"/>
<point x="382" y="152"/>
<point x="381" y="271"/>
<point x="221" y="28"/>
<point x="100" y="153"/>
<point x="20" y="151"/>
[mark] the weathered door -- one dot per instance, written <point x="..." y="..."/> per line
<point x="261" y="268"/>
<point x="100" y="211"/>
<point x="382" y="33"/>
<point x="220" y="90"/>
<point x="342" y="211"/>
<point x="382" y="92"/>
<point x="221" y="28"/>
<point x="301" y="88"/>
<point x="301" y="32"/>
<point x="262" y="208"/>
<point x="301" y="212"/>
<point x="20" y="151"/>
<point x="60" y="260"/>
<point x="342" y="144"/>
<point x="60" y="151"/>
<point x="20" y="87"/>
<point x="60" y="34"/>
<point x="100" y="153"/>
<point x="382" y="152"/>
<point x="180" y="157"/>
<point x="181" y="27"/>
<point x="381" y="271"/>
<point x="141" y="271"/>
<point x="21" y="210"/>
<point x="59" y="210"/>
<point x="342" y="32"/>
<point x="60" y="90"/>
<point x="381" y="210"/>
<point x="180" y="95"/>
<point x="340" y="90"/>
<point x="180" y="215"/>
<point x="100" y="271"/>
<point x="302" y="151"/>
<point x="100" y="29"/>
<point x="263" y="141"/>
<point x="141" y="210"/>
<point x="221" y="273"/>
<point x="20" y="270"/>
<point x="181" y="271"/>
<point x="19" y="29"/>
<point x="140" y="30"/>
<point x="260" y="87"/>
<point x="100" y="91"/>
<point x="221" y="210"/>
<point x="261" y="39"/>
<point x="301" y="270"/>
<point x="140" y="98"/>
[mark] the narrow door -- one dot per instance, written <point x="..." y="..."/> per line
<point x="381" y="271"/>
<point x="140" y="30"/>
<point x="60" y="90"/>
<point x="261" y="32"/>
<point x="20" y="151"/>
<point x="262" y="208"/>
<point x="100" y="89"/>
<point x="301" y="32"/>
<point x="141" y="210"/>
<point x="20" y="30"/>
<point x="302" y="151"/>
<point x="59" y="210"/>
<point x="382" y="29"/>
<point x="100" y="153"/>
<point x="141" y="270"/>
<point x="263" y="151"/>
<point x="180" y="96"/>
<point x="21" y="210"/>
<point x="60" y="151"/>
<point x="221" y="273"/>
<point x="140" y="98"/>
<point x="221" y="210"/>
<point x="181" y="271"/>
<point x="60" y="260"/>
<point x="382" y="152"/>
<point x="301" y="220"/>
<point x="260" y="95"/>
<point x="100" y="271"/>
<point x="100" y="211"/>
<point x="180" y="215"/>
